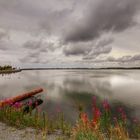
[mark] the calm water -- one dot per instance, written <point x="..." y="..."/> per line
<point x="66" y="89"/>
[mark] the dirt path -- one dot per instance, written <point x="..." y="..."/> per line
<point x="11" y="133"/>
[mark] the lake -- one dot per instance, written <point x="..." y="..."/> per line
<point x="65" y="90"/>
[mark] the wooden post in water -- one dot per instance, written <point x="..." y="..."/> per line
<point x="20" y="97"/>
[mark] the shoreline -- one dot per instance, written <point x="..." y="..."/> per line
<point x="9" y="71"/>
<point x="12" y="133"/>
<point x="25" y="69"/>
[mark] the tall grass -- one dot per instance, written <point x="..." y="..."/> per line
<point x="14" y="116"/>
<point x="102" y="126"/>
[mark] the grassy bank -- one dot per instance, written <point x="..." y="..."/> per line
<point x="102" y="125"/>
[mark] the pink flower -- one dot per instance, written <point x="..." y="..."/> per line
<point x="106" y="105"/>
<point x="17" y="105"/>
<point x="96" y="111"/>
<point x="36" y="103"/>
<point x="120" y="109"/>
<point x="96" y="115"/>
<point x="30" y="103"/>
<point x="8" y="101"/>
<point x="122" y="113"/>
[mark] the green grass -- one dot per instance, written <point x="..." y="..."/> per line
<point x="102" y="126"/>
<point x="39" y="120"/>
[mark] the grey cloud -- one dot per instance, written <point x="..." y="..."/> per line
<point x="34" y="57"/>
<point x="123" y="59"/>
<point x="78" y="25"/>
<point x="3" y="45"/>
<point x="35" y="16"/>
<point x="56" y="22"/>
<point x="136" y="57"/>
<point x="38" y="51"/>
<point x="35" y="48"/>
<point x="32" y="44"/>
<point x="111" y="59"/>
<point x="40" y="45"/>
<point x="4" y="34"/>
<point x="101" y="47"/>
<point x="77" y="48"/>
<point x="89" y="50"/>
<point x="98" y="51"/>
<point x="103" y="16"/>
<point x="4" y="37"/>
<point x="104" y="42"/>
<point x="120" y="60"/>
<point x="31" y="57"/>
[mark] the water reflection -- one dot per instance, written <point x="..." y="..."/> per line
<point x="65" y="89"/>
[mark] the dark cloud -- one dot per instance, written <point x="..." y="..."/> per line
<point x="77" y="48"/>
<point x="89" y="50"/>
<point x="56" y="22"/>
<point x="127" y="58"/>
<point x="70" y="30"/>
<point x="101" y="47"/>
<point x="103" y="16"/>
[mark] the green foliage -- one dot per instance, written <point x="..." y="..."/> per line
<point x="105" y="121"/>
<point x="85" y="135"/>
<point x="6" y="67"/>
<point x="38" y="120"/>
<point x="102" y="126"/>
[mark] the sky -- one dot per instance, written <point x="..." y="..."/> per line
<point x="70" y="33"/>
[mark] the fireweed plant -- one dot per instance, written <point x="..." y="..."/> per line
<point x="103" y="125"/>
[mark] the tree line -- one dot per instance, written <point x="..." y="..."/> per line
<point x="6" y="67"/>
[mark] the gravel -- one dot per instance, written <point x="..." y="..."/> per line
<point x="11" y="133"/>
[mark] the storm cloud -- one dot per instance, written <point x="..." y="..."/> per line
<point x="103" y="16"/>
<point x="89" y="50"/>
<point x="69" y="33"/>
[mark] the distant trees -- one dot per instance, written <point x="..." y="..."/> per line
<point x="6" y="67"/>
